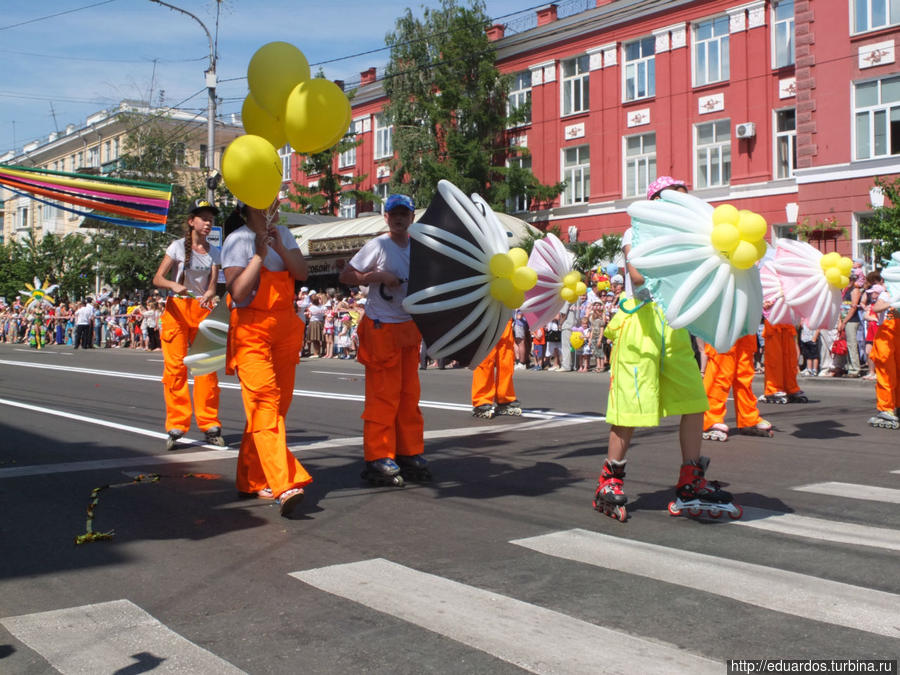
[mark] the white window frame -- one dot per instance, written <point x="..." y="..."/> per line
<point x="383" y="190"/>
<point x="285" y="153"/>
<point x="871" y="113"/>
<point x="787" y="138"/>
<point x="384" y="135"/>
<point x="783" y="31"/>
<point x="22" y="210"/>
<point x="636" y="70"/>
<point x="348" y="157"/>
<point x="867" y="9"/>
<point x="519" y="95"/>
<point x="575" y="90"/>
<point x="716" y="156"/>
<point x="347" y="209"/>
<point x="717" y="44"/>
<point x="518" y="203"/>
<point x="94" y="156"/>
<point x="640" y="166"/>
<point x="577" y="175"/>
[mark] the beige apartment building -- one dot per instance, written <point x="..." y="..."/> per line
<point x="94" y="148"/>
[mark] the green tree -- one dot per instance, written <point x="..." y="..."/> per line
<point x="448" y="108"/>
<point x="883" y="228"/>
<point x="67" y="261"/>
<point x="331" y="185"/>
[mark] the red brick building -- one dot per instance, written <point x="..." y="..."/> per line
<point x="786" y="107"/>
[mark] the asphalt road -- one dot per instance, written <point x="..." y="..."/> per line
<point x="500" y="565"/>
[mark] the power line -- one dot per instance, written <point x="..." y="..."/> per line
<point x="51" y="16"/>
<point x="68" y="57"/>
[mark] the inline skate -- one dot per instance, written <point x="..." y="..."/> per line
<point x="797" y="397"/>
<point x="885" y="420"/>
<point x="174" y="436"/>
<point x="384" y="471"/>
<point x="609" y="498"/>
<point x="697" y="495"/>
<point x="761" y="428"/>
<point x="513" y="408"/>
<point x="214" y="436"/>
<point x="778" y="397"/>
<point x="414" y="468"/>
<point x="485" y="411"/>
<point x="717" y="432"/>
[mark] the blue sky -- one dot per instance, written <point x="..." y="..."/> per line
<point x="94" y="53"/>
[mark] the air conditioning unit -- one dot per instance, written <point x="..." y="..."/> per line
<point x="745" y="130"/>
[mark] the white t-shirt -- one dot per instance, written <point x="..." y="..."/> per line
<point x="196" y="279"/>
<point x="240" y="246"/>
<point x="84" y="315"/>
<point x="383" y="254"/>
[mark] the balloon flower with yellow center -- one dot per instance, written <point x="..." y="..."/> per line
<point x="699" y="264"/>
<point x="556" y="284"/>
<point x="812" y="282"/>
<point x="39" y="294"/>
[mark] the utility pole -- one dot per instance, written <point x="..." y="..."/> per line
<point x="211" y="105"/>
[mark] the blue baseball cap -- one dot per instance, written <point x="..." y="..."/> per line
<point x="396" y="201"/>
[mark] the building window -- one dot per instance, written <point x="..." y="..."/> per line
<point x="78" y="160"/>
<point x="347" y="208"/>
<point x="22" y="217"/>
<point x="577" y="175"/>
<point x="348" y="157"/>
<point x="518" y="203"/>
<point x="519" y="99"/>
<point x="640" y="68"/>
<point x="783" y="37"/>
<point x="785" y="143"/>
<point x="711" y="51"/>
<point x="875" y="14"/>
<point x="384" y="133"/>
<point x="202" y="163"/>
<point x="180" y="154"/>
<point x="115" y="150"/>
<point x="284" y="152"/>
<point x="713" y="163"/>
<point x="382" y="190"/>
<point x="107" y="151"/>
<point x="575" y="85"/>
<point x="863" y="239"/>
<point x="877" y="106"/>
<point x="94" y="156"/>
<point x="640" y="164"/>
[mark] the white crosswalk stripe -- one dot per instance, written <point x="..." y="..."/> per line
<point x="853" y="491"/>
<point x="531" y="637"/>
<point x="111" y="636"/>
<point x="775" y="589"/>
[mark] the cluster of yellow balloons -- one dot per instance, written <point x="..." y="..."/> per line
<point x="739" y="235"/>
<point x="576" y="339"/>
<point x="836" y="268"/>
<point x="572" y="287"/>
<point x="512" y="277"/>
<point x="285" y="105"/>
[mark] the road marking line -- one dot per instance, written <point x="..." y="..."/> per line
<point x="104" y="638"/>
<point x="531" y="637"/>
<point x="768" y="587"/>
<point x="216" y="453"/>
<point x="819" y="528"/>
<point x="853" y="491"/>
<point x="362" y="376"/>
<point x="306" y="393"/>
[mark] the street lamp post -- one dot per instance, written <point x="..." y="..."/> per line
<point x="211" y="104"/>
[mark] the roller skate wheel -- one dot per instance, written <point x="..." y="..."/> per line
<point x="735" y="515"/>
<point x="715" y="513"/>
<point x="694" y="512"/>
<point x="620" y="514"/>
<point x="674" y="510"/>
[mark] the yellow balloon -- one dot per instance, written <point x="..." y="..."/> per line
<point x="524" y="278"/>
<point x="571" y="279"/>
<point x="274" y="70"/>
<point x="829" y="260"/>
<point x="725" y="213"/>
<point x="515" y="299"/>
<point x="845" y="266"/>
<point x="258" y="122"/>
<point x="845" y="281"/>
<point x="833" y="277"/>
<point x="751" y="226"/>
<point x="501" y="289"/>
<point x="761" y="248"/>
<point x="519" y="256"/>
<point x="334" y="140"/>
<point x="251" y="168"/>
<point x="576" y="339"/>
<point x="724" y="237"/>
<point x="315" y="115"/>
<point x="568" y="294"/>
<point x="501" y="265"/>
<point x="580" y="288"/>
<point x="744" y="255"/>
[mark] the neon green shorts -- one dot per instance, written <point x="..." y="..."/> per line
<point x="653" y="373"/>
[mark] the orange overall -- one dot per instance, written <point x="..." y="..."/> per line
<point x="780" y="358"/>
<point x="392" y="422"/>
<point x="727" y="370"/>
<point x="178" y="327"/>
<point x="493" y="378"/>
<point x="264" y="343"/>
<point x="885" y="356"/>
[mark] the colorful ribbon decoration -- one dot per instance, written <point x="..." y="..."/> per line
<point x="125" y="202"/>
